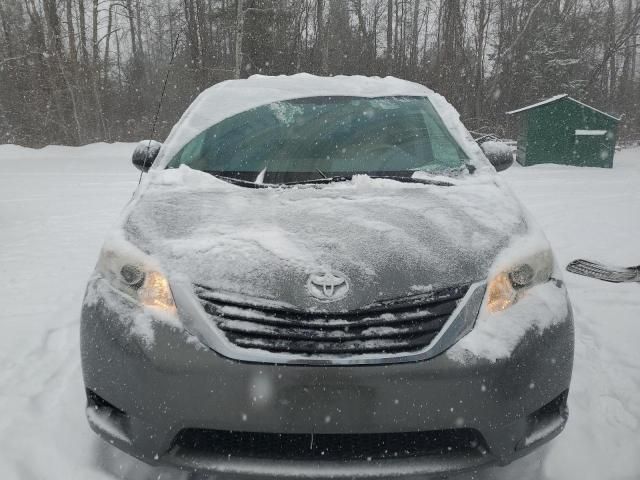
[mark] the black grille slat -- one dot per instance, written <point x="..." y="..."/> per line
<point x="320" y="335"/>
<point x="336" y="348"/>
<point x="320" y="320"/>
<point x="326" y="447"/>
<point x="408" y="324"/>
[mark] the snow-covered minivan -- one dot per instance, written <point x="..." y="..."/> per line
<point x="325" y="278"/>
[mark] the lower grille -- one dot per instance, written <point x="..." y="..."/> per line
<point x="379" y="446"/>
<point x="404" y="325"/>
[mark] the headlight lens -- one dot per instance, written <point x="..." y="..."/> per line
<point x="156" y="293"/>
<point x="508" y="285"/>
<point x="137" y="278"/>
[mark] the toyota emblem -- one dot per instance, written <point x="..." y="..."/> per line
<point x="327" y="286"/>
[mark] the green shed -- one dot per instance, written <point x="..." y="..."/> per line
<point x="566" y="131"/>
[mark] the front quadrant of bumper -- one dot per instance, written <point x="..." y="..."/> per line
<point x="143" y="395"/>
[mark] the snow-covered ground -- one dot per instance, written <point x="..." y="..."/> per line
<point x="56" y="204"/>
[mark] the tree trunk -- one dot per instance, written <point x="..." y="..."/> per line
<point x="396" y="49"/>
<point x="482" y="22"/>
<point x="106" y="44"/>
<point x="132" y="29"/>
<point x="414" y="36"/>
<point x="324" y="66"/>
<point x="612" y="46"/>
<point x="192" y="32"/>
<point x="426" y="36"/>
<point x="322" y="40"/>
<point x="203" y="29"/>
<point x="8" y="38"/>
<point x="239" y="33"/>
<point x="139" y="32"/>
<point x="634" y="56"/>
<point x="362" y="26"/>
<point x="74" y="103"/>
<point x="389" y="59"/>
<point x="94" y="36"/>
<point x="118" y="60"/>
<point x="53" y="22"/>
<point x="626" y="78"/>
<point x="83" y="32"/>
<point x="71" y="34"/>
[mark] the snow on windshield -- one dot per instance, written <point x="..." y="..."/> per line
<point x="229" y="98"/>
<point x="298" y="140"/>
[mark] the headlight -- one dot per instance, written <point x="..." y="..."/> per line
<point x="136" y="276"/>
<point x="509" y="284"/>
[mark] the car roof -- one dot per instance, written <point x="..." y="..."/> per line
<point x="305" y="85"/>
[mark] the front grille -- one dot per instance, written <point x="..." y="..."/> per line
<point x="369" y="446"/>
<point x="404" y="325"/>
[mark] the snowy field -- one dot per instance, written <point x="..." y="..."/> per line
<point x="56" y="204"/>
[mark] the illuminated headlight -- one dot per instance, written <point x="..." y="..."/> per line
<point x="508" y="285"/>
<point x="136" y="277"/>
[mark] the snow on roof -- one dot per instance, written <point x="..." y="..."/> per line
<point x="617" y="119"/>
<point x="539" y="104"/>
<point x="591" y="132"/>
<point x="231" y="97"/>
<point x="555" y="99"/>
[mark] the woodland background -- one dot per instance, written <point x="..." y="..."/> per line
<point x="80" y="71"/>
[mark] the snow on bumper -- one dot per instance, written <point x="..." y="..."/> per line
<point x="147" y="392"/>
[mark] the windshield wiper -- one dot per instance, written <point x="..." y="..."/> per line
<point x="397" y="178"/>
<point x="242" y="183"/>
<point x="321" y="173"/>
<point x="424" y="181"/>
<point x="334" y="179"/>
<point x="337" y="178"/>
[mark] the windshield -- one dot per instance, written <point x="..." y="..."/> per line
<point x="311" y="138"/>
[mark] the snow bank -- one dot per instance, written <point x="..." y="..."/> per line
<point x="593" y="213"/>
<point x="105" y="158"/>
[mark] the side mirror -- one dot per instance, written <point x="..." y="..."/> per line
<point x="499" y="154"/>
<point x="145" y="153"/>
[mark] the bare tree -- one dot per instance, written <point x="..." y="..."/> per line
<point x="83" y="32"/>
<point x="239" y="34"/>
<point x="389" y="55"/>
<point x="71" y="34"/>
<point x="485" y="55"/>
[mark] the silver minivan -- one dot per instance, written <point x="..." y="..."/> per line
<point x="325" y="278"/>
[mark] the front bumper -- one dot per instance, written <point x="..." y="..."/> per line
<point x="143" y="395"/>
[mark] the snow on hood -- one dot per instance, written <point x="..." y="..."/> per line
<point x="390" y="239"/>
<point x="231" y="97"/>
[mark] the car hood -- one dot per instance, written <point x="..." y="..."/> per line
<point x="388" y="239"/>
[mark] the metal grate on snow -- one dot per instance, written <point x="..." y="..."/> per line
<point x="403" y="325"/>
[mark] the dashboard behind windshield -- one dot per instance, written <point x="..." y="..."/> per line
<point x="310" y="138"/>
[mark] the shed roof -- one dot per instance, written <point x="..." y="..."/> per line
<point x="555" y="99"/>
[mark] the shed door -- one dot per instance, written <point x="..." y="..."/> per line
<point x="591" y="148"/>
